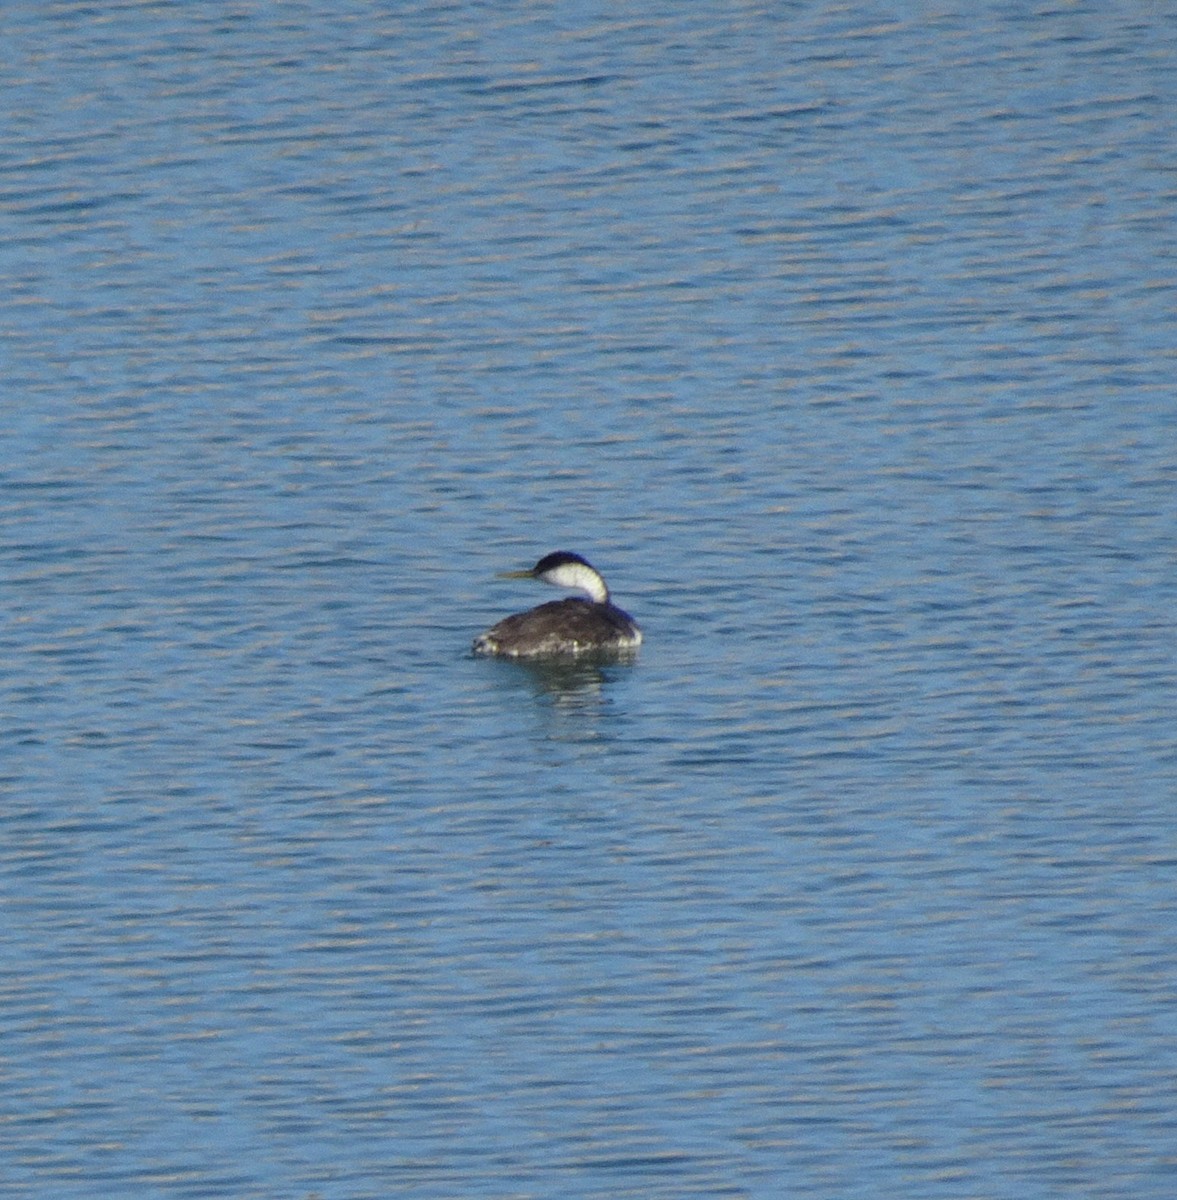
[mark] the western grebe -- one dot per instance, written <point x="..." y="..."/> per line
<point x="562" y="627"/>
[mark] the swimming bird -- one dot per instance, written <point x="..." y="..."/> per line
<point x="563" y="627"/>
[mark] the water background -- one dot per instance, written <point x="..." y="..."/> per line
<point x="842" y="339"/>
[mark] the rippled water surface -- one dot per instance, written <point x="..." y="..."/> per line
<point x="841" y="338"/>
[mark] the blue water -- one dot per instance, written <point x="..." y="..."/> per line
<point x="842" y="340"/>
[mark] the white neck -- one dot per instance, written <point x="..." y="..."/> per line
<point x="580" y="577"/>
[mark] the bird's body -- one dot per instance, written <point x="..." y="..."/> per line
<point x="576" y="626"/>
